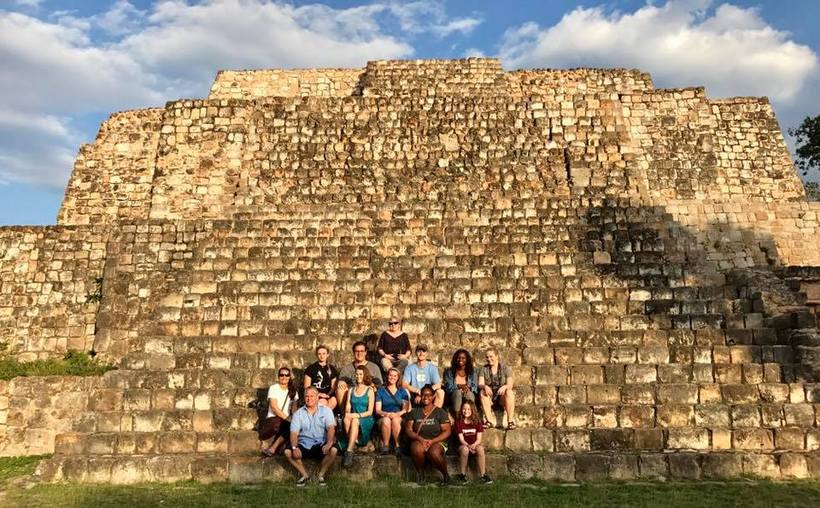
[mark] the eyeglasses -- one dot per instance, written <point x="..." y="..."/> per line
<point x="284" y="374"/>
<point x="360" y="351"/>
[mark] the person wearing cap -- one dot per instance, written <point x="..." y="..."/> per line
<point x="422" y="373"/>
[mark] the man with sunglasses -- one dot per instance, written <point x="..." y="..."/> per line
<point x="312" y="436"/>
<point x="348" y="373"/>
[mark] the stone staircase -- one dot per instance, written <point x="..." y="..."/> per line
<point x="633" y="357"/>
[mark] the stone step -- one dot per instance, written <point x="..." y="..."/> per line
<point x="517" y="441"/>
<point x="166" y="411"/>
<point x="565" y="467"/>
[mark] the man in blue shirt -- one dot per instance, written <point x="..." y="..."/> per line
<point x="312" y="436"/>
<point x="421" y="373"/>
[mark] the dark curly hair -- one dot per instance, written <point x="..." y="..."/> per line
<point x="468" y="366"/>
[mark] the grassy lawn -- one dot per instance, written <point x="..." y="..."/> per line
<point x="393" y="493"/>
<point x="74" y="363"/>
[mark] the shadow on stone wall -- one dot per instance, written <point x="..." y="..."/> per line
<point x="690" y="287"/>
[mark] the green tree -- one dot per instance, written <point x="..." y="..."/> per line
<point x="807" y="136"/>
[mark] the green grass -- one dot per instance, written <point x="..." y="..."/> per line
<point x="392" y="493"/>
<point x="74" y="363"/>
<point x="13" y="467"/>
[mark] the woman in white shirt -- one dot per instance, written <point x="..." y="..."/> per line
<point x="282" y="398"/>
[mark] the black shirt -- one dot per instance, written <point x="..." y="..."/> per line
<point x="394" y="346"/>
<point x="320" y="377"/>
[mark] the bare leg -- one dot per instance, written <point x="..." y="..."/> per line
<point x="439" y="398"/>
<point x="279" y="441"/>
<point x="387" y="363"/>
<point x="481" y="460"/>
<point x="417" y="455"/>
<point x="463" y="455"/>
<point x="384" y="426"/>
<point x="352" y="433"/>
<point x="509" y="404"/>
<point x="435" y="455"/>
<point x="341" y="394"/>
<point x="295" y="459"/>
<point x="396" y="423"/>
<point x="327" y="461"/>
<point x="330" y="402"/>
<point x="487" y="407"/>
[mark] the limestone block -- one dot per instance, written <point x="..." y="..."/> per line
<point x="688" y="439"/>
<point x="653" y="466"/>
<point x="760" y="465"/>
<point x="558" y="467"/>
<point x="722" y="465"/>
<point x="752" y="439"/>
<point x="685" y="465"/>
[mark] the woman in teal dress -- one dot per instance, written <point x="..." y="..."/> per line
<point x="359" y="419"/>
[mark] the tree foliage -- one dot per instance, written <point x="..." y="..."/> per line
<point x="807" y="136"/>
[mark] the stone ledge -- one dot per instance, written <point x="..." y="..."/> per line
<point x="564" y="467"/>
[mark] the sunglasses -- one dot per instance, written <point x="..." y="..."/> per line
<point x="393" y="323"/>
<point x="284" y="374"/>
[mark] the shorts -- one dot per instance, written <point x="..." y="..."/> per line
<point x="284" y="430"/>
<point x="314" y="452"/>
<point x="405" y="448"/>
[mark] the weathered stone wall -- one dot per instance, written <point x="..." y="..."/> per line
<point x="34" y="410"/>
<point x="426" y="78"/>
<point x="585" y="81"/>
<point x="742" y="234"/>
<point x="286" y="83"/>
<point x="458" y="131"/>
<point x="113" y="177"/>
<point x="46" y="276"/>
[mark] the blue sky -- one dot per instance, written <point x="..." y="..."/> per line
<point x="67" y="65"/>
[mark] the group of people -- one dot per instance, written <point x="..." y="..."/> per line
<point x="407" y="404"/>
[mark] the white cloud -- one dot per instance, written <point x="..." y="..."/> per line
<point x="122" y="18"/>
<point x="428" y="16"/>
<point x="731" y="49"/>
<point x="28" y="3"/>
<point x="35" y="149"/>
<point x="62" y="66"/>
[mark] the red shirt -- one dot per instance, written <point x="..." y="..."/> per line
<point x="469" y="431"/>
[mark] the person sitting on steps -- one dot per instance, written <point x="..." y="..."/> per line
<point x="347" y="376"/>
<point x="312" y="436"/>
<point x="427" y="428"/>
<point x="392" y="403"/>
<point x="394" y="347"/>
<point x="322" y="375"/>
<point x="495" y="384"/>
<point x="469" y="430"/>
<point x="460" y="380"/>
<point x="358" y="419"/>
<point x="422" y="373"/>
<point x="282" y="398"/>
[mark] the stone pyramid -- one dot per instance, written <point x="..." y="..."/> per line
<point x="644" y="258"/>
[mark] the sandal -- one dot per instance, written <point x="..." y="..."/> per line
<point x="487" y="424"/>
<point x="267" y="452"/>
<point x="511" y="426"/>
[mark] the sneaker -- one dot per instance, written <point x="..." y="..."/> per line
<point x="321" y="481"/>
<point x="384" y="450"/>
<point x="444" y="482"/>
<point x="302" y="481"/>
<point x="486" y="480"/>
<point x="348" y="460"/>
<point x="461" y="479"/>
